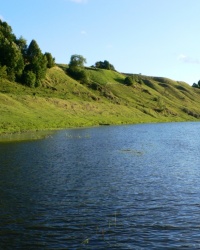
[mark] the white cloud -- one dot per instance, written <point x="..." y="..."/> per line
<point x="187" y="59"/>
<point x="1" y="18"/>
<point x="79" y="1"/>
<point x="83" y="32"/>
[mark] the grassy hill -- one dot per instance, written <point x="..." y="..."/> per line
<point x="63" y="102"/>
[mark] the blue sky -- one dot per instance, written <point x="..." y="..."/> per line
<point x="151" y="37"/>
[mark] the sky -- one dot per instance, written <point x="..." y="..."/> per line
<point x="150" y="37"/>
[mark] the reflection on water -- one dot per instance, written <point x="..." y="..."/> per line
<point x="120" y="187"/>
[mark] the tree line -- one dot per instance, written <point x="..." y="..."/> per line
<point x="21" y="62"/>
<point x="28" y="65"/>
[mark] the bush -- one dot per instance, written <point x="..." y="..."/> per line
<point x="29" y="79"/>
<point x="3" y="72"/>
<point x="79" y="75"/>
<point x="195" y="85"/>
<point x="104" y="65"/>
<point x="128" y="81"/>
<point x="50" y="60"/>
<point x="83" y="77"/>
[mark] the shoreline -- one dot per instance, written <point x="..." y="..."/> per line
<point x="31" y="135"/>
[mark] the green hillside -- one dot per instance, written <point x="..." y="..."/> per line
<point x="36" y="94"/>
<point x="62" y="102"/>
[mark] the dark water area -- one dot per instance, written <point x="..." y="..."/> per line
<point x="111" y="187"/>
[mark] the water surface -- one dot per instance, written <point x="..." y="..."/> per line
<point x="112" y="187"/>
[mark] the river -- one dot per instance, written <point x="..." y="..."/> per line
<point x="109" y="187"/>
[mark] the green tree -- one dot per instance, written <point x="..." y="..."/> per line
<point x="12" y="58"/>
<point x="194" y="85"/>
<point x="11" y="55"/>
<point x="50" y="60"/>
<point x="3" y="73"/>
<point x="76" y="69"/>
<point x="29" y="79"/>
<point x="36" y="62"/>
<point x="6" y="31"/>
<point x="21" y="43"/>
<point x="104" y="65"/>
<point x="107" y="65"/>
<point x="77" y="61"/>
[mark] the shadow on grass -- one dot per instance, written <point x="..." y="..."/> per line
<point x="119" y="80"/>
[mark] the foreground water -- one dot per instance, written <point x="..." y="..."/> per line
<point x="118" y="187"/>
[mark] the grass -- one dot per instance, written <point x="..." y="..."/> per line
<point x="63" y="102"/>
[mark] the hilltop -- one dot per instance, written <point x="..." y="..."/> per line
<point x="62" y="102"/>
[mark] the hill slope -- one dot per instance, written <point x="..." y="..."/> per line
<point x="63" y="102"/>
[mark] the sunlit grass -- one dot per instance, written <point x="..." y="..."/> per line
<point x="63" y="102"/>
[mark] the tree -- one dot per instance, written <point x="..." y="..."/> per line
<point x="29" y="79"/>
<point x="107" y="65"/>
<point x="11" y="55"/>
<point x="6" y="31"/>
<point x="21" y="43"/>
<point x="3" y="73"/>
<point x="36" y="62"/>
<point x="77" y="61"/>
<point x="12" y="58"/>
<point x="196" y="85"/>
<point x="104" y="65"/>
<point x="19" y="60"/>
<point x="50" y="60"/>
<point x="76" y="69"/>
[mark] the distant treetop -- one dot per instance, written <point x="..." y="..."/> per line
<point x="77" y="61"/>
<point x="196" y="85"/>
<point x="104" y="65"/>
<point x="76" y="69"/>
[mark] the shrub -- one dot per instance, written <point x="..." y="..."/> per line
<point x="104" y="65"/>
<point x="128" y="81"/>
<point x="3" y="72"/>
<point x="29" y="79"/>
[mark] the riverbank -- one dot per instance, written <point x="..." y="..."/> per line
<point x="62" y="102"/>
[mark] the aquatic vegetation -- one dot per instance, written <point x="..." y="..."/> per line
<point x="78" y="136"/>
<point x="132" y="151"/>
<point x="102" y="232"/>
<point x="26" y="136"/>
<point x="86" y="241"/>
